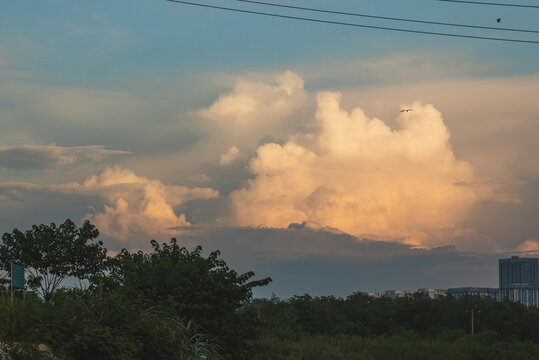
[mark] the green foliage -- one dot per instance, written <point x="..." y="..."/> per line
<point x="362" y="315"/>
<point x="400" y="346"/>
<point x="104" y="324"/>
<point x="51" y="254"/>
<point x="19" y="319"/>
<point x="201" y="289"/>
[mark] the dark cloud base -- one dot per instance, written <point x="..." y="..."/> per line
<point x="321" y="263"/>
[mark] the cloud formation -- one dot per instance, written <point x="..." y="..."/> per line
<point x="361" y="176"/>
<point x="134" y="205"/>
<point x="254" y="109"/>
<point x="528" y="246"/>
<point x="137" y="204"/>
<point x="228" y="157"/>
<point x="257" y="102"/>
<point x="52" y="155"/>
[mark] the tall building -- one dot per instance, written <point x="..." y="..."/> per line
<point x="519" y="280"/>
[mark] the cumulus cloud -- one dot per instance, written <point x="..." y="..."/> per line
<point x="254" y="109"/>
<point x="46" y="156"/>
<point x="256" y="101"/>
<point x="228" y="157"/>
<point x="133" y="204"/>
<point x="361" y="176"/>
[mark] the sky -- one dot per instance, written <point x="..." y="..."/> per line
<point x="280" y="142"/>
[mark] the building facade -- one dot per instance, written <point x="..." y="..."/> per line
<point x="475" y="291"/>
<point x="519" y="280"/>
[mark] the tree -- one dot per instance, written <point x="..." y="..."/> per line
<point x="202" y="289"/>
<point x="51" y="254"/>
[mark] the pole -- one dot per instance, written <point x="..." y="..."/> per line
<point x="472" y="321"/>
<point x="12" y="283"/>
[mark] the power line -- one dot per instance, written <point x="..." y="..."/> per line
<point x="387" y="17"/>
<point x="491" y="3"/>
<point x="353" y="24"/>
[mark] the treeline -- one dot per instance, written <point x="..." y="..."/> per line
<point x="416" y="327"/>
<point x="362" y="315"/>
<point x="175" y="303"/>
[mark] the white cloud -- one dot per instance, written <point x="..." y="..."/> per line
<point x="45" y="156"/>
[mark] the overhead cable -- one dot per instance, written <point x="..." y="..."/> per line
<point x="492" y="3"/>
<point x="354" y="24"/>
<point x="386" y="17"/>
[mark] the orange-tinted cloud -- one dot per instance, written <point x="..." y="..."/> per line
<point x="528" y="246"/>
<point x="361" y="176"/>
<point x="137" y="204"/>
<point x="254" y="109"/>
<point x="134" y="205"/>
<point x="252" y="102"/>
<point x="229" y="156"/>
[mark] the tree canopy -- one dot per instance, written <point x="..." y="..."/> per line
<point x="202" y="289"/>
<point x="52" y="253"/>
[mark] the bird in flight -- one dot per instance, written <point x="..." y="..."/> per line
<point x="499" y="19"/>
<point x="407" y="110"/>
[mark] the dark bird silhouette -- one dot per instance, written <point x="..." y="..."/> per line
<point x="407" y="110"/>
<point x="499" y="19"/>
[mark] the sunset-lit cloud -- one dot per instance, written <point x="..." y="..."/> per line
<point x="395" y="180"/>
<point x="229" y="156"/>
<point x="254" y="109"/>
<point x="257" y="102"/>
<point x="136" y="204"/>
<point x="363" y="177"/>
<point x="133" y="204"/>
<point x="528" y="246"/>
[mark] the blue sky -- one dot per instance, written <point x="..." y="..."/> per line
<point x="99" y="42"/>
<point x="156" y="119"/>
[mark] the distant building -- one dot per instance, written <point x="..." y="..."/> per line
<point x="373" y="294"/>
<point x="432" y="293"/>
<point x="519" y="280"/>
<point x="370" y="294"/>
<point x="395" y="294"/>
<point x="477" y="291"/>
